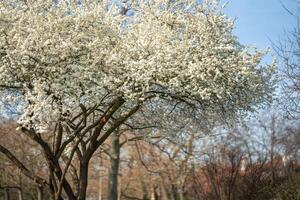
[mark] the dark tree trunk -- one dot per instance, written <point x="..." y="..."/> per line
<point x="6" y="194"/>
<point x="83" y="177"/>
<point x="145" y="190"/>
<point x="67" y="188"/>
<point x="114" y="167"/>
<point x="20" y="189"/>
<point x="174" y="193"/>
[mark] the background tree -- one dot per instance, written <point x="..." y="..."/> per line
<point x="11" y="179"/>
<point x="288" y="51"/>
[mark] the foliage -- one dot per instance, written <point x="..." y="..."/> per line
<point x="62" y="55"/>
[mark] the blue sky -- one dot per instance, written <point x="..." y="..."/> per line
<point x="260" y="22"/>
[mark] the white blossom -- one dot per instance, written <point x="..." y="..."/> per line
<point x="62" y="55"/>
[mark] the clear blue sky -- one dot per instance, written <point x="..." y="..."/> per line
<point x="258" y="22"/>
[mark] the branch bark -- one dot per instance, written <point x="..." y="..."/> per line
<point x="22" y="167"/>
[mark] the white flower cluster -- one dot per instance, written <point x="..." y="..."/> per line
<point x="63" y="54"/>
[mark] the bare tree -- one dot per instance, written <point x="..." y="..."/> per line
<point x="288" y="51"/>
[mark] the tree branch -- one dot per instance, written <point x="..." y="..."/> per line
<point x="21" y="166"/>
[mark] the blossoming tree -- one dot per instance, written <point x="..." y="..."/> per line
<point x="83" y="70"/>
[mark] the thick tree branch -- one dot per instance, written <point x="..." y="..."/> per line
<point x="21" y="166"/>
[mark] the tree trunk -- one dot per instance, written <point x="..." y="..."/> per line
<point x="273" y="143"/>
<point x="145" y="191"/>
<point x="20" y="194"/>
<point x="20" y="190"/>
<point x="119" y="190"/>
<point x="6" y="194"/>
<point x="163" y="191"/>
<point x="100" y="186"/>
<point x="54" y="165"/>
<point x="181" y="195"/>
<point x="40" y="193"/>
<point x="173" y="192"/>
<point x="154" y="195"/>
<point x="114" y="167"/>
<point x="83" y="177"/>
